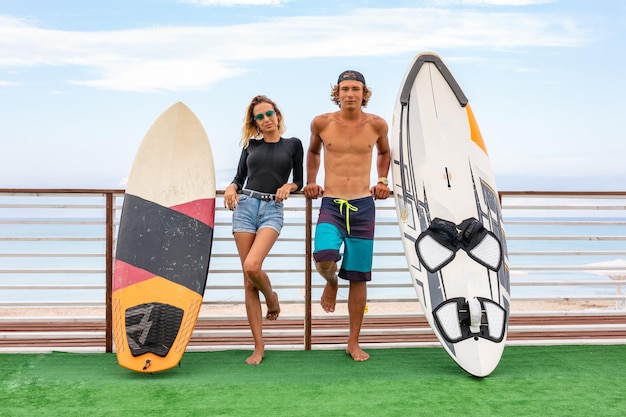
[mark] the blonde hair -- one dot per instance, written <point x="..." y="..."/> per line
<point x="250" y="129"/>
<point x="334" y="95"/>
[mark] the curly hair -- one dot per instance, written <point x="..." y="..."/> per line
<point x="334" y="95"/>
<point x="250" y="129"/>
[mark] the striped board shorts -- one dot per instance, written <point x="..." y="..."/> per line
<point x="349" y="223"/>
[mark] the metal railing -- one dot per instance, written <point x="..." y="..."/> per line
<point x="57" y="249"/>
<point x="564" y="241"/>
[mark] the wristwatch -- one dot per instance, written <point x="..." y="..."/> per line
<point x="384" y="181"/>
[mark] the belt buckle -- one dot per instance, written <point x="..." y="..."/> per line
<point x="266" y="197"/>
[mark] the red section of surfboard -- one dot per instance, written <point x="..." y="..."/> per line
<point x="202" y="210"/>
<point x="127" y="274"/>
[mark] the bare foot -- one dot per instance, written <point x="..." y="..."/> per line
<point x="273" y="308"/>
<point x="256" y="358"/>
<point x="357" y="353"/>
<point x="329" y="296"/>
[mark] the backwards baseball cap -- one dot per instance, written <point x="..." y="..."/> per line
<point x="351" y="75"/>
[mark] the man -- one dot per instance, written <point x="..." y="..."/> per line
<point x="347" y="212"/>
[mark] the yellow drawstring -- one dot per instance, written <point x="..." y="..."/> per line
<point x="349" y="208"/>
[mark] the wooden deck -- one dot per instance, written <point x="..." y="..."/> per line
<point x="88" y="335"/>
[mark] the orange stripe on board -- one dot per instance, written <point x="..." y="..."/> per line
<point x="477" y="137"/>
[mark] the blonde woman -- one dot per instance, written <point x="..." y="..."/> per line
<point x="256" y="197"/>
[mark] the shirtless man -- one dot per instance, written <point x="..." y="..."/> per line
<point x="347" y="212"/>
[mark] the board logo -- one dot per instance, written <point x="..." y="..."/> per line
<point x="141" y="329"/>
<point x="152" y="327"/>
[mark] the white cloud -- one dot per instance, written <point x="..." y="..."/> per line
<point x="148" y="75"/>
<point x="183" y="58"/>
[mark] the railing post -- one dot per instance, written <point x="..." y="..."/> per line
<point x="109" y="272"/>
<point x="307" y="273"/>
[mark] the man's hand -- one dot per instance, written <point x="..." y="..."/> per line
<point x="313" y="190"/>
<point x="380" y="191"/>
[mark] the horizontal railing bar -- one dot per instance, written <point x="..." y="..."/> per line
<point x="98" y="304"/>
<point x="54" y="222"/>
<point x="562" y="194"/>
<point x="505" y="194"/>
<point x="51" y="255"/>
<point x="567" y="327"/>
<point x="39" y="192"/>
<point x="37" y="304"/>
<point x="51" y="319"/>
<point x="52" y="334"/>
<point x="285" y="255"/>
<point x="270" y="255"/>
<point x="345" y="332"/>
<point x="562" y="223"/>
<point x="297" y="255"/>
<point x="316" y="332"/>
<point x="371" y="285"/>
<point x="82" y="255"/>
<point x="52" y="206"/>
<point x="51" y="271"/>
<point x="387" y="239"/>
<point x="571" y="298"/>
<point x="614" y="282"/>
<point x="565" y="253"/>
<point x="569" y="313"/>
<point x="285" y="224"/>
<point x="100" y="271"/>
<point x="412" y="314"/>
<point x="70" y="287"/>
<point x="51" y="239"/>
<point x="301" y="271"/>
<point x="280" y="239"/>
<point x="208" y="287"/>
<point x="586" y="268"/>
<point x="556" y="237"/>
<point x="559" y="207"/>
<point x="227" y="318"/>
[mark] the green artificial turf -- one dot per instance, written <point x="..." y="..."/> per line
<point x="529" y="381"/>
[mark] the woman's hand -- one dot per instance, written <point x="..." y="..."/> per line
<point x="231" y="198"/>
<point x="283" y="193"/>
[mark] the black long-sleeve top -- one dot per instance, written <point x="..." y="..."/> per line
<point x="265" y="166"/>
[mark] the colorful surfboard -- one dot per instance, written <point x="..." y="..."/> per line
<point x="450" y="216"/>
<point x="164" y="243"/>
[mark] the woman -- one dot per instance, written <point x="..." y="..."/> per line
<point x="256" y="195"/>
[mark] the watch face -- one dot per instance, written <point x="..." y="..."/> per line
<point x="383" y="181"/>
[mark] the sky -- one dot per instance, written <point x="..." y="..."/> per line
<point x="81" y="82"/>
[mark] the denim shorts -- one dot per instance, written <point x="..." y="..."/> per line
<point x="252" y="214"/>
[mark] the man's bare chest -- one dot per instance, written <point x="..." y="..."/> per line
<point x="349" y="139"/>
